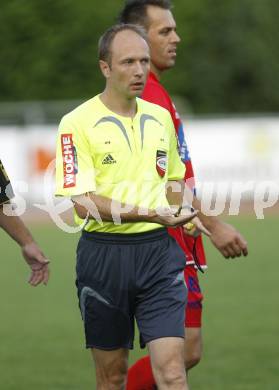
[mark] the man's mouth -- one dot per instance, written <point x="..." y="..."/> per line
<point x="172" y="51"/>
<point x="138" y="84"/>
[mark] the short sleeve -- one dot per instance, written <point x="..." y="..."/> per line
<point x="75" y="173"/>
<point x="6" y="191"/>
<point x="176" y="168"/>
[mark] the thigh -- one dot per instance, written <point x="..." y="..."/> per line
<point x="102" y="279"/>
<point x="160" y="308"/>
<point x="165" y="349"/>
<point x="167" y="356"/>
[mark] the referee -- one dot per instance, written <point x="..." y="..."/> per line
<point x="115" y="156"/>
<point x="15" y="227"/>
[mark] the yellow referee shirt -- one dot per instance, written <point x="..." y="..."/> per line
<point x="122" y="158"/>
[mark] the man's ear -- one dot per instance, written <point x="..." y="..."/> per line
<point x="105" y="68"/>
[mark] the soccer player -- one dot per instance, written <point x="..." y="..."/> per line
<point x="157" y="19"/>
<point x="115" y="156"/>
<point x="14" y="226"/>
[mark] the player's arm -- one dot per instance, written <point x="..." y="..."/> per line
<point x="222" y="235"/>
<point x="101" y="208"/>
<point x="34" y="257"/>
<point x="178" y="196"/>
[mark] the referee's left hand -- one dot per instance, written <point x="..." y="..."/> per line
<point x="37" y="262"/>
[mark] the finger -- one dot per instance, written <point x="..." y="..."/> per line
<point x="236" y="249"/>
<point x="182" y="219"/>
<point x="243" y="245"/>
<point x="45" y="275"/>
<point x="201" y="227"/>
<point x="231" y="252"/>
<point x="32" y="278"/>
<point x="204" y="230"/>
<point x="36" y="278"/>
<point x="245" y="252"/>
<point x="40" y="277"/>
<point x="225" y="253"/>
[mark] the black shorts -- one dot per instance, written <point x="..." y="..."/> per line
<point x="122" y="277"/>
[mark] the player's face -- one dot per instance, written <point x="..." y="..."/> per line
<point x="163" y="39"/>
<point x="130" y="64"/>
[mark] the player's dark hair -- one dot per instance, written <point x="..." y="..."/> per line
<point x="107" y="38"/>
<point x="135" y="11"/>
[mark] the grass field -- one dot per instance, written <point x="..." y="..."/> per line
<point x="41" y="332"/>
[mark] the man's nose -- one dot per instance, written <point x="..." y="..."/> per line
<point x="139" y="69"/>
<point x="175" y="38"/>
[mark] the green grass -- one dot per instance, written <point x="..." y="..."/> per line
<point x="41" y="331"/>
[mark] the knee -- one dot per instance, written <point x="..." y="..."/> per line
<point x="116" y="381"/>
<point x="113" y="377"/>
<point x="193" y="348"/>
<point x="192" y="359"/>
<point x="171" y="374"/>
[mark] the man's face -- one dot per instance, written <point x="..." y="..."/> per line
<point x="163" y="38"/>
<point x="130" y="64"/>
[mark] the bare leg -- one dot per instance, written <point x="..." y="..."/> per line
<point x="111" y="368"/>
<point x="193" y="347"/>
<point x="167" y="360"/>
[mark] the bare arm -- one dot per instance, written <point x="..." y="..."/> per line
<point x="32" y="254"/>
<point x="104" y="209"/>
<point x="222" y="235"/>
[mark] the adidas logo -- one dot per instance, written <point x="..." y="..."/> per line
<point x="108" y="160"/>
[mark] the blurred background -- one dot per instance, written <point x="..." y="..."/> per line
<point x="226" y="88"/>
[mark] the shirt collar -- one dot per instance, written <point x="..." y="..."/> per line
<point x="153" y="76"/>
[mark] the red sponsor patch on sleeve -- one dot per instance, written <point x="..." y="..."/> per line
<point x="68" y="155"/>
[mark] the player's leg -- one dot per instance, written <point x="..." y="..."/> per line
<point x="140" y="375"/>
<point x="193" y="316"/>
<point x="111" y="368"/>
<point x="167" y="360"/>
<point x="193" y="347"/>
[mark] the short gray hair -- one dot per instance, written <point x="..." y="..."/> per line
<point x="107" y="38"/>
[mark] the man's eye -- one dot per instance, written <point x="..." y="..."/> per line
<point x="165" y="32"/>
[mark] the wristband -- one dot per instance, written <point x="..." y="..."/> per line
<point x="184" y="207"/>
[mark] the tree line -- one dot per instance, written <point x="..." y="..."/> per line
<point x="228" y="59"/>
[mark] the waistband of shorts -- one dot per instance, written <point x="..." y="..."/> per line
<point x="129" y="238"/>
